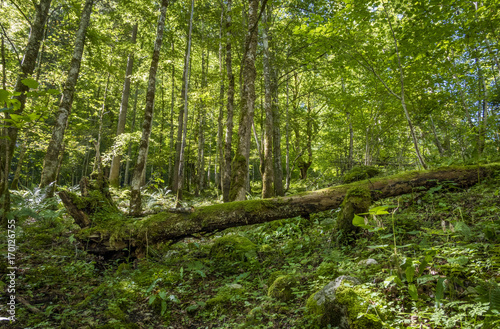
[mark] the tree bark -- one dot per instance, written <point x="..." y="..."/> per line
<point x="173" y="226"/>
<point x="239" y="169"/>
<point x="132" y="128"/>
<point x="180" y="174"/>
<point x="17" y="174"/>
<point x="268" y="164"/>
<point x="228" y="140"/>
<point x="50" y="162"/>
<point x="219" y="153"/>
<point x="287" y="136"/>
<point x="114" y="174"/>
<point x="436" y="138"/>
<point x="135" y="195"/>
<point x="98" y="162"/>
<point x="172" y="106"/>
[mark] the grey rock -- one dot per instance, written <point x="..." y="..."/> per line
<point x="368" y="262"/>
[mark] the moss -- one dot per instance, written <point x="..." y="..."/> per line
<point x="254" y="317"/>
<point x="119" y="325"/>
<point x="225" y="296"/>
<point x="353" y="298"/>
<point x="115" y="312"/>
<point x="360" y="173"/>
<point x="232" y="253"/>
<point x="356" y="201"/>
<point x="282" y="288"/>
<point x="238" y="165"/>
<point x="273" y="276"/>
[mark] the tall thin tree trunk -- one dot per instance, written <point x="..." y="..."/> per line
<point x="200" y="170"/>
<point x="351" y="131"/>
<point x="54" y="149"/>
<point x="132" y="129"/>
<point x="226" y="167"/>
<point x="7" y="145"/>
<point x="402" y="97"/>
<point x="17" y="174"/>
<point x="97" y="163"/>
<point x="172" y="106"/>
<point x="268" y="172"/>
<point x="114" y="173"/>
<point x="239" y="170"/>
<point x="180" y="174"/>
<point x="4" y="65"/>
<point x="287" y="132"/>
<point x="219" y="153"/>
<point x="436" y="138"/>
<point x="135" y="195"/>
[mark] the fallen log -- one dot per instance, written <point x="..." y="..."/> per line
<point x="112" y="236"/>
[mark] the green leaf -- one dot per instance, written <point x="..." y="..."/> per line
<point x="392" y="278"/>
<point x="152" y="299"/>
<point x="4" y="96"/>
<point x="163" y="307"/>
<point x="358" y="221"/>
<point x="163" y="295"/>
<point x="410" y="273"/>
<point x="412" y="289"/>
<point x="16" y="117"/>
<point x="31" y="83"/>
<point x="440" y="286"/>
<point x="52" y="91"/>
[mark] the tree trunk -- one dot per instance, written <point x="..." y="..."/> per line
<point x="4" y="65"/>
<point x="287" y="132"/>
<point x="436" y="138"/>
<point x="132" y="128"/>
<point x="200" y="170"/>
<point x="135" y="195"/>
<point x="7" y="145"/>
<point x="17" y="174"/>
<point x="402" y="97"/>
<point x="239" y="170"/>
<point x="351" y="131"/>
<point x="219" y="153"/>
<point x="56" y="142"/>
<point x="176" y="224"/>
<point x="228" y="140"/>
<point x="180" y="174"/>
<point x="98" y="162"/>
<point x="268" y="170"/>
<point x="114" y="174"/>
<point x="172" y="106"/>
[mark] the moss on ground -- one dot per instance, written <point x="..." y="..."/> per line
<point x="282" y="288"/>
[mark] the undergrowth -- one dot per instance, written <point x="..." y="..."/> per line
<point x="438" y="254"/>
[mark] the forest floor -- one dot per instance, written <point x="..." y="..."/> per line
<point x="445" y="273"/>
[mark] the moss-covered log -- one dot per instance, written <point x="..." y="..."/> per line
<point x="118" y="233"/>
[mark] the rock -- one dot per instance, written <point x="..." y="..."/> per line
<point x="233" y="252"/>
<point x="368" y="262"/>
<point x="282" y="288"/>
<point x="340" y="302"/>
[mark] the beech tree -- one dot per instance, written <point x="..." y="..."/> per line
<point x="114" y="173"/>
<point x="55" y="147"/>
<point x="239" y="166"/>
<point x="135" y="195"/>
